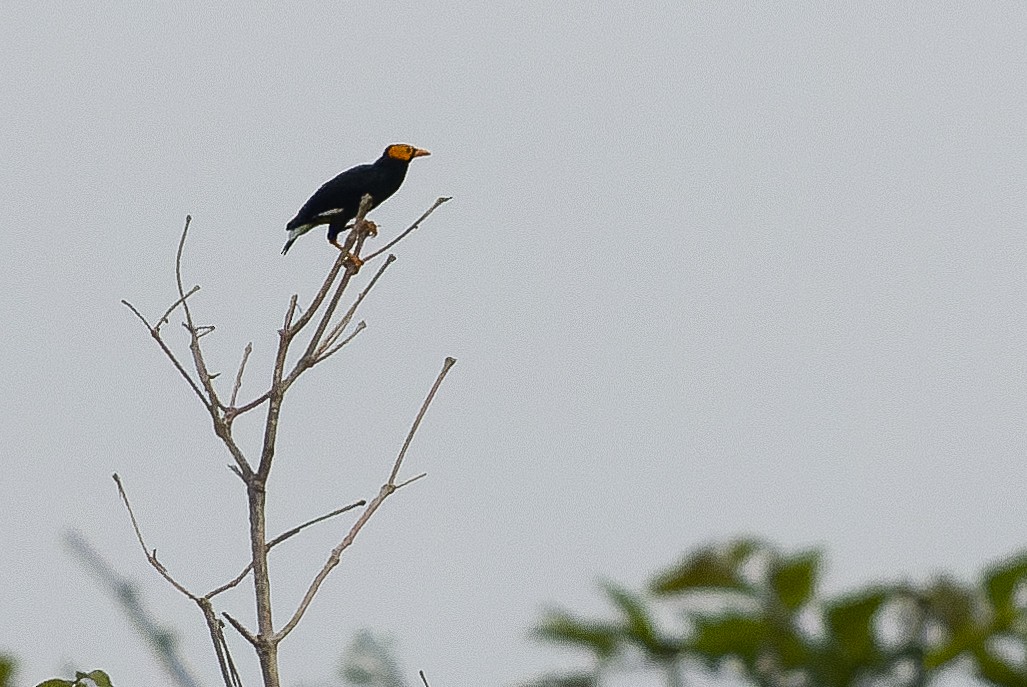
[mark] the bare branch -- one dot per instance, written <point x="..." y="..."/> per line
<point x="423" y="678"/>
<point x="387" y="489"/>
<point x="411" y="480"/>
<point x="333" y="335"/>
<point x="278" y="540"/>
<point x="449" y="362"/>
<point x="351" y="248"/>
<point x="290" y="312"/>
<point x="238" y="377"/>
<point x="178" y="257"/>
<point x="229" y="674"/>
<point x="319" y="297"/>
<point x="155" y="333"/>
<point x="438" y="201"/>
<point x="151" y="557"/>
<point x="326" y="339"/>
<point x="333" y="560"/>
<point x="163" y="320"/>
<point x="206" y="380"/>
<point x="359" y="328"/>
<point x="321" y="518"/>
<point x="241" y="629"/>
<point x="258" y="401"/>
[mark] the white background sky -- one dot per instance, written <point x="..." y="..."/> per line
<point x="710" y="269"/>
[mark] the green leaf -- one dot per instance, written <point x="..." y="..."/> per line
<point x="638" y="621"/>
<point x="56" y="683"/>
<point x="711" y="567"/>
<point x="952" y="605"/>
<point x="791" y="647"/>
<point x="849" y="622"/>
<point x="6" y="670"/>
<point x="794" y="579"/>
<point x="574" y="680"/>
<point x="731" y="635"/>
<point x="100" y="678"/>
<point x="1001" y="582"/>
<point x="601" y="638"/>
<point x="998" y="671"/>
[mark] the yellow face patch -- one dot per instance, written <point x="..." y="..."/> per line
<point x="404" y="152"/>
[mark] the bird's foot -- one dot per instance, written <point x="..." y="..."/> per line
<point x="354" y="261"/>
<point x="370" y="228"/>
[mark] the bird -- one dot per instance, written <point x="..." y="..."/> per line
<point x="338" y="200"/>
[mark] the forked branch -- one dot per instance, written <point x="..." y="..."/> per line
<point x="387" y="489"/>
<point x="327" y="338"/>
<point x="278" y="540"/>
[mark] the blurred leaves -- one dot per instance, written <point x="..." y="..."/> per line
<point x="369" y="661"/>
<point x="574" y="680"/>
<point x="95" y="677"/>
<point x="6" y="670"/>
<point x="745" y="610"/>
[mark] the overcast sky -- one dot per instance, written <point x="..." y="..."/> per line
<point x="709" y="269"/>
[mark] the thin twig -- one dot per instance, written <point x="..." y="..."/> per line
<point x="387" y="489"/>
<point x="151" y="557"/>
<point x="355" y="236"/>
<point x="178" y="254"/>
<point x="305" y="317"/>
<point x="203" y="386"/>
<point x="241" y="629"/>
<point x="278" y="540"/>
<point x="354" y="242"/>
<point x="236" y="680"/>
<point x="290" y="312"/>
<point x="155" y="333"/>
<point x="423" y="678"/>
<point x="206" y="381"/>
<point x="164" y="320"/>
<point x="258" y="401"/>
<point x="411" y="480"/>
<point x="333" y="560"/>
<point x="321" y="518"/>
<point x="229" y="674"/>
<point x="449" y="362"/>
<point x="331" y="337"/>
<point x="238" y="377"/>
<point x="438" y="201"/>
<point x="361" y="325"/>
<point x="224" y="657"/>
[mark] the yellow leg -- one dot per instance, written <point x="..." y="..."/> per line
<point x="354" y="260"/>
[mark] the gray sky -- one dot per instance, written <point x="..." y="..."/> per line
<point x="709" y="269"/>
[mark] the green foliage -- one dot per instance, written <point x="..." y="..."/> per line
<point x="6" y="670"/>
<point x="576" y="680"/>
<point x="369" y="661"/>
<point x="96" y="677"/>
<point x="748" y="610"/>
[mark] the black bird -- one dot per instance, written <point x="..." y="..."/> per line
<point x="338" y="200"/>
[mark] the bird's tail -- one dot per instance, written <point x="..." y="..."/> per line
<point x="288" y="244"/>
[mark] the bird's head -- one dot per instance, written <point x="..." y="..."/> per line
<point x="404" y="152"/>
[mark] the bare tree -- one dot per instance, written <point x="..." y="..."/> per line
<point x="329" y="335"/>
